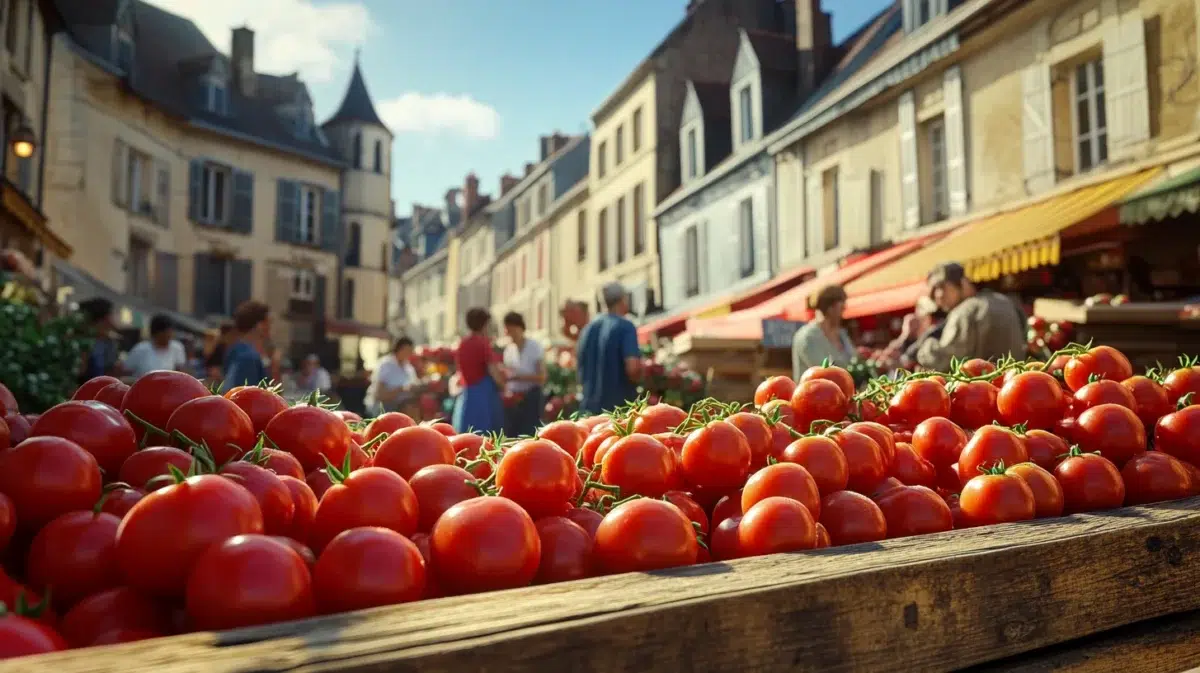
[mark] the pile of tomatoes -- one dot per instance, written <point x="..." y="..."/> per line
<point x="133" y="512"/>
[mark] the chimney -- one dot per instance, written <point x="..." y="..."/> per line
<point x="507" y="182"/>
<point x="528" y="168"/>
<point x="546" y="144"/>
<point x="814" y="42"/>
<point x="470" y="194"/>
<point x="242" y="58"/>
<point x="560" y="140"/>
<point x="452" y="198"/>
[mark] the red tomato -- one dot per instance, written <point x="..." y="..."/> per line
<point x="1195" y="473"/>
<point x="97" y="427"/>
<point x="886" y="486"/>
<point x="914" y="510"/>
<point x="1047" y="492"/>
<point x="368" y="567"/>
<point x="566" y="550"/>
<point x="939" y="441"/>
<point x="659" y="418"/>
<point x="690" y="508"/>
<point x="274" y="499"/>
<point x="918" y="400"/>
<point x="248" y="580"/>
<point x="1046" y="449"/>
<point x="589" y="519"/>
<point x="407" y="450"/>
<point x="989" y="447"/>
<point x="781" y="438"/>
<point x="214" y="422"/>
<point x="446" y="429"/>
<point x="305" y="502"/>
<point x="89" y="388"/>
<point x="824" y="460"/>
<point x="486" y="544"/>
<point x="774" y="388"/>
<point x="5" y="435"/>
<point x="911" y="469"/>
<point x="776" y="525"/>
<point x="716" y="457"/>
<point x="162" y="536"/>
<point x="864" y="460"/>
<point x="639" y="465"/>
<point x="1152" y="400"/>
<point x="260" y="404"/>
<point x="112" y="609"/>
<point x="282" y="463"/>
<point x="976" y="367"/>
<point x="319" y="481"/>
<point x="438" y="488"/>
<point x="758" y="435"/>
<point x="114" y="396"/>
<point x="1101" y="362"/>
<point x="787" y="480"/>
<point x="348" y="416"/>
<point x="1111" y="430"/>
<point x="540" y="477"/>
<point x="76" y="556"/>
<point x="47" y="477"/>
<point x="819" y="400"/>
<point x="1103" y="391"/>
<point x="1090" y="482"/>
<point x="995" y="497"/>
<point x="1155" y="477"/>
<point x="387" y="423"/>
<point x="836" y="374"/>
<point x="568" y="436"/>
<point x="1178" y="434"/>
<point x="727" y="507"/>
<point x="973" y="404"/>
<point x="672" y="441"/>
<point x="153" y="464"/>
<point x="1181" y="382"/>
<point x="883" y="436"/>
<point x="723" y="543"/>
<point x="8" y="521"/>
<point x="851" y="518"/>
<point x="467" y="449"/>
<point x="21" y="636"/>
<point x="823" y="539"/>
<point x="642" y="535"/>
<point x="1033" y="399"/>
<point x="780" y="411"/>
<point x="311" y="434"/>
<point x="155" y="396"/>
<point x="372" y="496"/>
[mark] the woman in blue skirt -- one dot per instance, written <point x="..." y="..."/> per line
<point x="478" y="407"/>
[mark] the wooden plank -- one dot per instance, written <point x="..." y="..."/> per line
<point x="931" y="603"/>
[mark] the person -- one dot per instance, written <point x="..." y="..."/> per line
<point x="574" y="315"/>
<point x="393" y="380"/>
<point x="160" y="351"/>
<point x="214" y="361"/>
<point x="525" y="366"/>
<point x="979" y="323"/>
<point x="921" y="324"/>
<point x="607" y="354"/>
<point x="101" y="359"/>
<point x="312" y="377"/>
<point x="824" y="338"/>
<point x="478" y="408"/>
<point x="244" y="360"/>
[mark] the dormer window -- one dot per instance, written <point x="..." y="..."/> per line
<point x="745" y="114"/>
<point x="692" y="158"/>
<point x="123" y="49"/>
<point x="917" y="13"/>
<point x="216" y="95"/>
<point x="303" y="123"/>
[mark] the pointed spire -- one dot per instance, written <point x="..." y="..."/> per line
<point x="357" y="105"/>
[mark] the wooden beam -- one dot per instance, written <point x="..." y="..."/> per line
<point x="932" y="603"/>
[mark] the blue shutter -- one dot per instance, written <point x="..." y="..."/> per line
<point x="241" y="282"/>
<point x="195" y="188"/>
<point x="287" y="211"/>
<point x="319" y="297"/>
<point x="243" y="202"/>
<point x="331" y="220"/>
<point x="202" y="282"/>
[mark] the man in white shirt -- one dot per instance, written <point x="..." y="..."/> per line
<point x="524" y="360"/>
<point x="393" y="380"/>
<point x="160" y="351"/>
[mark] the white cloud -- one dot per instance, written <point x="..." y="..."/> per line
<point x="440" y="113"/>
<point x="290" y="35"/>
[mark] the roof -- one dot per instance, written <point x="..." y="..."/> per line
<point x="774" y="51"/>
<point x="714" y="100"/>
<point x="356" y="105"/>
<point x="170" y="55"/>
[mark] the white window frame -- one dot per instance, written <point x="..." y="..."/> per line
<point x="691" y="261"/>
<point x="692" y="151"/>
<point x="309" y="226"/>
<point x="746" y="261"/>
<point x="939" y="175"/>
<point x="121" y="38"/>
<point x="1095" y="98"/>
<point x="215" y="204"/>
<point x="216" y="95"/>
<point x="135" y="165"/>
<point x="304" y="285"/>
<point x="745" y="114"/>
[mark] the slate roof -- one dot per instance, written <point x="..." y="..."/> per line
<point x="356" y="105"/>
<point x="718" y="132"/>
<point x="170" y="55"/>
<point x="775" y="52"/>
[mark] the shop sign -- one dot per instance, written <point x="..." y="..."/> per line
<point x="778" y="333"/>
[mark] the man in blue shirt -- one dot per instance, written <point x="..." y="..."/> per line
<point x="607" y="354"/>
<point x="244" y="361"/>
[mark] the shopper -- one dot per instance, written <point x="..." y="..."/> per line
<point x="823" y="339"/>
<point x="102" y="358"/>
<point x="244" y="364"/>
<point x="478" y="407"/>
<point x="160" y="351"/>
<point x="525" y="368"/>
<point x="979" y="323"/>
<point x="608" y="358"/>
<point x="312" y="377"/>
<point x="393" y="381"/>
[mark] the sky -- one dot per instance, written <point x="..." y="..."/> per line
<point x="465" y="85"/>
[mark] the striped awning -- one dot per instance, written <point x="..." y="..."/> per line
<point x="1165" y="199"/>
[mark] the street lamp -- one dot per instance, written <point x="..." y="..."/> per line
<point x="24" y="142"/>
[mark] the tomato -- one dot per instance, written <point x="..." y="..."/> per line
<point x="672" y="441"/>
<point x="787" y="480"/>
<point x="311" y="434"/>
<point x="1178" y="434"/>
<point x="446" y="429"/>
<point x="644" y="534"/>
<point x="1181" y="382"/>
<point x="658" y="418"/>
<point x="371" y="496"/>
<point x="591" y="423"/>
<point x="819" y="400"/>
<point x="823" y="458"/>
<point x="387" y="423"/>
<point x="851" y="518"/>
<point x="8" y="521"/>
<point x="1111" y="430"/>
<point x="568" y="436"/>
<point x="97" y="427"/>
<point x="153" y="462"/>
<point x="775" y="525"/>
<point x="21" y="636"/>
<point x="281" y="463"/>
<point x="438" y="488"/>
<point x="781" y="438"/>
<point x="1046" y="449"/>
<point x="690" y="508"/>
<point x="1090" y="482"/>
<point x="973" y="404"/>
<point x="727" y="507"/>
<point x="214" y="422"/>
<point x="886" y="486"/>
<point x="1101" y="362"/>
<point x="1195" y="474"/>
<point x="540" y="477"/>
<point x="918" y="400"/>
<point x="911" y="469"/>
<point x="319" y="481"/>
<point x="368" y="567"/>
<point x="836" y="374"/>
<point x="758" y="435"/>
<point x="883" y="436"/>
<point x="260" y="404"/>
<point x="1155" y="477"/>
<point x="781" y="409"/>
<point x="774" y="388"/>
<point x="467" y="449"/>
<point x="589" y="519"/>
<point x="1047" y="492"/>
<point x="162" y="536"/>
<point x="274" y="499"/>
<point x="5" y="435"/>
<point x="823" y="539"/>
<point x="566" y="550"/>
<point x="310" y="559"/>
<point x="1104" y="391"/>
<point x="939" y="441"/>
<point x="305" y="503"/>
<point x="639" y="465"/>
<point x="407" y="450"/>
<point x="348" y="416"/>
<point x="1033" y="399"/>
<point x="914" y="510"/>
<point x="1152" y="401"/>
<point x="75" y="555"/>
<point x="113" y="395"/>
<point x="996" y="497"/>
<point x="716" y="457"/>
<point x="47" y="477"/>
<point x="989" y="447"/>
<point x="155" y="396"/>
<point x="117" y="608"/>
<point x="864" y="460"/>
<point x="487" y="544"/>
<point x="248" y="580"/>
<point x="976" y="367"/>
<point x="723" y="543"/>
<point x="88" y="389"/>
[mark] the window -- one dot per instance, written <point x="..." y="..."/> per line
<point x="639" y="227"/>
<point x="938" y="182"/>
<point x="601" y="159"/>
<point x="746" y="114"/>
<point x="379" y="156"/>
<point x="543" y="198"/>
<point x="138" y="183"/>
<point x="692" y="158"/>
<point x="691" y="261"/>
<point x="831" y="210"/>
<point x="1091" y="123"/>
<point x="637" y="130"/>
<point x="924" y="11"/>
<point x="138" y="269"/>
<point x="310" y="215"/>
<point x="581" y="233"/>
<point x="123" y="50"/>
<point x="602" y="237"/>
<point x="620" y="144"/>
<point x="746" y="236"/>
<point x="216" y="95"/>
<point x="356" y="150"/>
<point x="304" y="285"/>
<point x="347" y="305"/>
<point x="214" y="194"/>
<point x="524" y="268"/>
<point x="354" y="245"/>
<point x="302" y="123"/>
<point x="12" y="24"/>
<point x="620" y="230"/>
<point x="541" y="257"/>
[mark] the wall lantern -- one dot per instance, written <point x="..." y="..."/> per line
<point x="24" y="142"/>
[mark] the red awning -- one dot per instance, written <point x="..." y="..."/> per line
<point x="892" y="300"/>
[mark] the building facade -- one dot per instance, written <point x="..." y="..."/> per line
<point x="427" y="284"/>
<point x="476" y="252"/>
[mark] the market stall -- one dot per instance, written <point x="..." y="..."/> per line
<point x="1150" y="333"/>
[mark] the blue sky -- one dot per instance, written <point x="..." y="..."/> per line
<point x="465" y="84"/>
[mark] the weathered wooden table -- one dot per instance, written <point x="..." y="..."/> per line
<point x="1118" y="591"/>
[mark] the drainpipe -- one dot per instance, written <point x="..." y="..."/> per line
<point x="44" y="141"/>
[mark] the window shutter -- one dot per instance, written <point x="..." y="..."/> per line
<point x="1125" y="89"/>
<point x="243" y="202"/>
<point x="910" y="185"/>
<point x="195" y="188"/>
<point x="162" y="193"/>
<point x="120" y="176"/>
<point x="202" y="282"/>
<point x="319" y="297"/>
<point x="331" y="220"/>
<point x="287" y="211"/>
<point x="704" y="264"/>
<point x="876" y="200"/>
<point x="241" y="282"/>
<point x="1037" y="129"/>
<point x="166" y="280"/>
<point x="956" y="140"/>
<point x="815" y="210"/>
